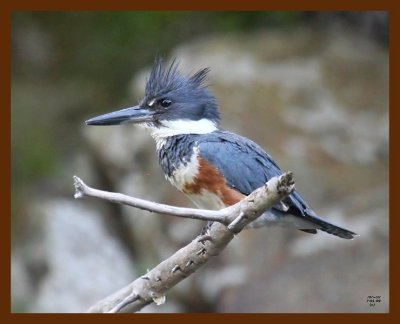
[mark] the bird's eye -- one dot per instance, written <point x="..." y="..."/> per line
<point x="165" y="103"/>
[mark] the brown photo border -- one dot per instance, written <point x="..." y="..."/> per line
<point x="6" y="10"/>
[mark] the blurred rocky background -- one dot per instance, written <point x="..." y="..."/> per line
<point x="310" y="87"/>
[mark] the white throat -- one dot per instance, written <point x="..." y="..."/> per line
<point x="179" y="127"/>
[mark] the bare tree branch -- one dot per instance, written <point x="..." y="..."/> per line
<point x="152" y="286"/>
<point x="83" y="190"/>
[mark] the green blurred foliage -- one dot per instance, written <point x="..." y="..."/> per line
<point x="109" y="46"/>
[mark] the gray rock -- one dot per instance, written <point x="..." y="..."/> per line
<point x="85" y="263"/>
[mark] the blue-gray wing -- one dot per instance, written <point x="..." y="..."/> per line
<point x="245" y="165"/>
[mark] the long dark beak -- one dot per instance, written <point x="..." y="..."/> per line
<point x="133" y="115"/>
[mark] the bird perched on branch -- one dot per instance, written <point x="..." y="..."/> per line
<point x="213" y="167"/>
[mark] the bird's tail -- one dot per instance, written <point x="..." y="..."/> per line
<point x="330" y="228"/>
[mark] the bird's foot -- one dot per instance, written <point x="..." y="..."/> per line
<point x="206" y="228"/>
<point x="205" y="233"/>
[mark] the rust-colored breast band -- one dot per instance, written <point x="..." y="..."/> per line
<point x="211" y="180"/>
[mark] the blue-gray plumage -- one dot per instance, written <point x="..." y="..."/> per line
<point x="213" y="167"/>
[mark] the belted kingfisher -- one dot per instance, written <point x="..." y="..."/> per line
<point x="213" y="167"/>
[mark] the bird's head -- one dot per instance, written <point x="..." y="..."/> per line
<point x="173" y="104"/>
